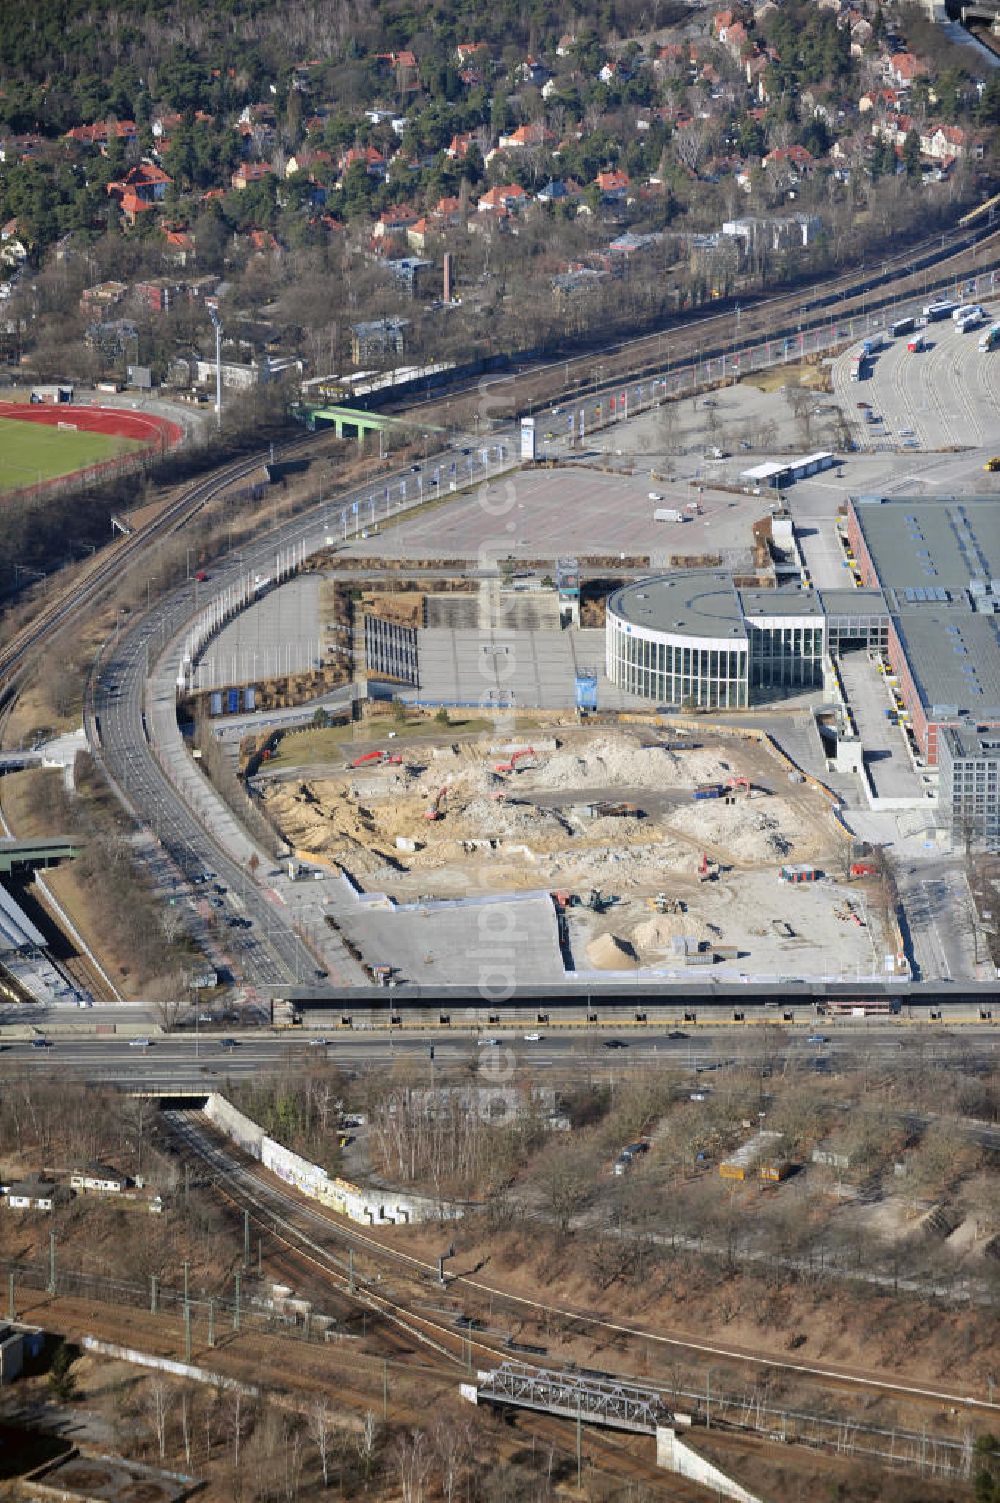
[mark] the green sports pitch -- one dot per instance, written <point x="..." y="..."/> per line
<point x="31" y="453"/>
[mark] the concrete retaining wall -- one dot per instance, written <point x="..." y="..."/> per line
<point x="165" y="1365"/>
<point x="676" y="1456"/>
<point x="372" y="1207"/>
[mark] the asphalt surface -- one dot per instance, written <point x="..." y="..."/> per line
<point x="134" y="724"/>
<point x="189" y="1062"/>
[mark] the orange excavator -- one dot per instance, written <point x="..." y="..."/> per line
<point x="377" y="758"/>
<point x="436" y="810"/>
<point x="511" y="764"/>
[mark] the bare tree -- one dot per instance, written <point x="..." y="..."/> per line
<point x="413" y="1462"/>
<point x="321" y="1428"/>
<point x="453" y="1446"/>
<point x="157" y="1402"/>
<point x="367" y="1443"/>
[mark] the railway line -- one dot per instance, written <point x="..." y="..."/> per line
<point x="248" y="1190"/>
<point x="108" y="566"/>
<point x="738" y="324"/>
<point x="455" y="1350"/>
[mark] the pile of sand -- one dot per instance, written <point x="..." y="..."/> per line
<point x="748" y="831"/>
<point x="657" y="932"/>
<point x="619" y="761"/>
<point x="611" y="953"/>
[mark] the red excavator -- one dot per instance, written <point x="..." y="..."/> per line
<point x="436" y="810"/>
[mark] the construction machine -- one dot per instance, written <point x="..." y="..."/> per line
<point x="436" y="810"/>
<point x="512" y="762"/>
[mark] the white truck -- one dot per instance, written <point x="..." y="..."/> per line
<point x="668" y="514"/>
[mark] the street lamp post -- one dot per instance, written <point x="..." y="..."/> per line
<point x="213" y="314"/>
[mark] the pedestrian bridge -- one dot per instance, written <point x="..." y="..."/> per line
<point x="594" y="1400"/>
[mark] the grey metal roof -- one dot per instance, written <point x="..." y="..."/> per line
<point x="698" y="602"/>
<point x="938" y="544"/>
<point x="854" y="602"/>
<point x="792" y="602"/>
<point x="954" y="657"/>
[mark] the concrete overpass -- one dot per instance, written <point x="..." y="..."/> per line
<point x="360" y="423"/>
<point x="42" y="851"/>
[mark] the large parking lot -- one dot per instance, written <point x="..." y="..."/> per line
<point x="548" y="514"/>
<point x="944" y="396"/>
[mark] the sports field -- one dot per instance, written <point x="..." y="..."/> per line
<point x="32" y="452"/>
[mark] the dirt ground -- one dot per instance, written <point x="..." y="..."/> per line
<point x="541" y="826"/>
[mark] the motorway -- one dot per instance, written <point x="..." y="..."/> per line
<point x="191" y="1062"/>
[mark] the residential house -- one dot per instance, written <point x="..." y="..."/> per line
<point x="250" y="172"/>
<point x="861" y="35"/>
<point x="372" y="160"/>
<point x="614" y="186"/>
<point x="559" y="192"/>
<point x="736" y="40"/>
<point x="756" y="66"/>
<point x="886" y="101"/>
<point x="458" y="146"/>
<point x="13" y="249"/>
<point x="404" y="59"/>
<point x="511" y="196"/>
<point x="531" y="71"/>
<point x="448" y="210"/>
<point x="799" y="158"/>
<point x="102" y="132"/>
<point x="471" y="52"/>
<point x="395" y="221"/>
<point x="903" y="68"/>
<point x="526" y="136"/>
<point x="146" y="182"/>
<point x="565" y="44"/>
<point x="262" y="242"/>
<point x="944" y="142"/>
<point x="33" y="1195"/>
<point x="179" y="245"/>
<point x="307" y="159"/>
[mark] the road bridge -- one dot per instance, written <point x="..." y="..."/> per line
<point x="41" y="851"/>
<point x="361" y="423"/>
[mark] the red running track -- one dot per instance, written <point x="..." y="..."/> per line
<point x="144" y="426"/>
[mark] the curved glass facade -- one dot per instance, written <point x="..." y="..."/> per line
<point x="676" y="669"/>
<point x="715" y="649"/>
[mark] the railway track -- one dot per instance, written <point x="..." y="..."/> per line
<point x="607" y="1452"/>
<point x="108" y="566"/>
<point x="243" y="1181"/>
<point x="738" y="324"/>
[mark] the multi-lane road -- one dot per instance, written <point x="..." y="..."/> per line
<point x="191" y="1061"/>
<point x="132" y="721"/>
